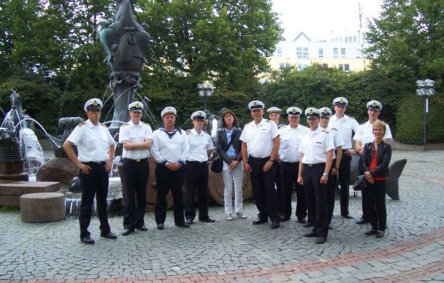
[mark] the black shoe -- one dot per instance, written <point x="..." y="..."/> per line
<point x="274" y="224"/>
<point x="207" y="220"/>
<point x="307" y="225"/>
<point x="301" y="220"/>
<point x="320" y="240"/>
<point x="160" y="226"/>
<point x="310" y="235"/>
<point x="127" y="232"/>
<point x="285" y="218"/>
<point x="371" y="232"/>
<point x="142" y="228"/>
<point x="380" y="234"/>
<point x="330" y="226"/>
<point x="362" y="221"/>
<point x="348" y="216"/>
<point x="108" y="235"/>
<point x="260" y="221"/>
<point x="189" y="221"/>
<point x="87" y="240"/>
<point x="183" y="225"/>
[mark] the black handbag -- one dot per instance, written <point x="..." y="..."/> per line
<point x="360" y="183"/>
<point x="218" y="164"/>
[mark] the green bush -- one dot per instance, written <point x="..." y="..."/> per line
<point x="410" y="116"/>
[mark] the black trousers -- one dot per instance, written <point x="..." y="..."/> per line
<point x="278" y="185"/>
<point x="331" y="190"/>
<point x="344" y="181"/>
<point x="364" y="200"/>
<point x="95" y="183"/>
<point x="196" y="178"/>
<point x="264" y="191"/>
<point x="289" y="177"/>
<point x="376" y="205"/>
<point x="316" y="197"/>
<point x="166" y="180"/>
<point x="135" y="180"/>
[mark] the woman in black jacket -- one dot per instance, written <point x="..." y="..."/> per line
<point x="375" y="167"/>
<point x="233" y="171"/>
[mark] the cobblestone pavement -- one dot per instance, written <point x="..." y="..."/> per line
<point x="236" y="251"/>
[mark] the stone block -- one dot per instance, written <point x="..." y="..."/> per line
<point x="42" y="207"/>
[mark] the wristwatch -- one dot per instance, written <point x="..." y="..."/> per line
<point x="272" y="160"/>
<point x="324" y="174"/>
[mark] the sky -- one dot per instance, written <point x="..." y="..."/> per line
<point x="318" y="19"/>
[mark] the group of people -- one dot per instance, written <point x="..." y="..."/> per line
<point x="278" y="158"/>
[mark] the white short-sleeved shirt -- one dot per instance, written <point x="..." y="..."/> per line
<point x="364" y="134"/>
<point x="92" y="141"/>
<point x="259" y="138"/>
<point x="315" y="145"/>
<point x="338" y="139"/>
<point x="135" y="133"/>
<point x="170" y="147"/>
<point x="199" y="144"/>
<point x="290" y="140"/>
<point x="346" y="125"/>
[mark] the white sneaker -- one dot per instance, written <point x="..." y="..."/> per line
<point x="240" y="215"/>
<point x="229" y="217"/>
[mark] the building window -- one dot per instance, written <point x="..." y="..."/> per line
<point x="281" y="65"/>
<point x="335" y="52"/>
<point x="354" y="38"/>
<point x="321" y="52"/>
<point x="302" y="66"/>
<point x="325" y="66"/>
<point x="288" y="65"/>
<point x="302" y="52"/>
<point x="344" y="67"/>
<point x="346" y="39"/>
<point x="279" y="52"/>
<point x="342" y="52"/>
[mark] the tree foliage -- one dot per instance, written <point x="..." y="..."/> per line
<point x="407" y="40"/>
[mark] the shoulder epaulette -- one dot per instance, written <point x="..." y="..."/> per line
<point x="188" y="131"/>
<point x="325" y="130"/>
<point x="81" y="124"/>
<point x="125" y="124"/>
<point x="104" y="125"/>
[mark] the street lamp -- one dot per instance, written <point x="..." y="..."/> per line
<point x="425" y="89"/>
<point x="206" y="90"/>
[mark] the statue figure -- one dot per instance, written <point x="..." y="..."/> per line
<point x="125" y="42"/>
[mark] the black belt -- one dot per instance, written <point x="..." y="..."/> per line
<point x="95" y="163"/>
<point x="290" y="163"/>
<point x="315" y="164"/>
<point x="134" y="160"/>
<point x="260" y="159"/>
<point x="197" y="162"/>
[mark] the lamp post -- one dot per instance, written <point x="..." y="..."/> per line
<point x="425" y="89"/>
<point x="205" y="90"/>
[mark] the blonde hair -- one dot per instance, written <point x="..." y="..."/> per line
<point x="379" y="123"/>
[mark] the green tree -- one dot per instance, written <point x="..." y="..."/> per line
<point x="225" y="41"/>
<point x="407" y="40"/>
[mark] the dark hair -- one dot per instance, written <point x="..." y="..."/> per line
<point x="228" y="111"/>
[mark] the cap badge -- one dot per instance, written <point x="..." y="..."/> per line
<point x="95" y="103"/>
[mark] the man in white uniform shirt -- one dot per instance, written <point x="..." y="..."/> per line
<point x="200" y="146"/>
<point x="326" y="113"/>
<point x="290" y="139"/>
<point x="346" y="125"/>
<point x="364" y="135"/>
<point x="260" y="145"/>
<point x="170" y="150"/>
<point x="95" y="147"/>
<point x="136" y="138"/>
<point x="316" y="150"/>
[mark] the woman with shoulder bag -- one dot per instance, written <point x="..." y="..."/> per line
<point x="228" y="147"/>
<point x="375" y="167"/>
